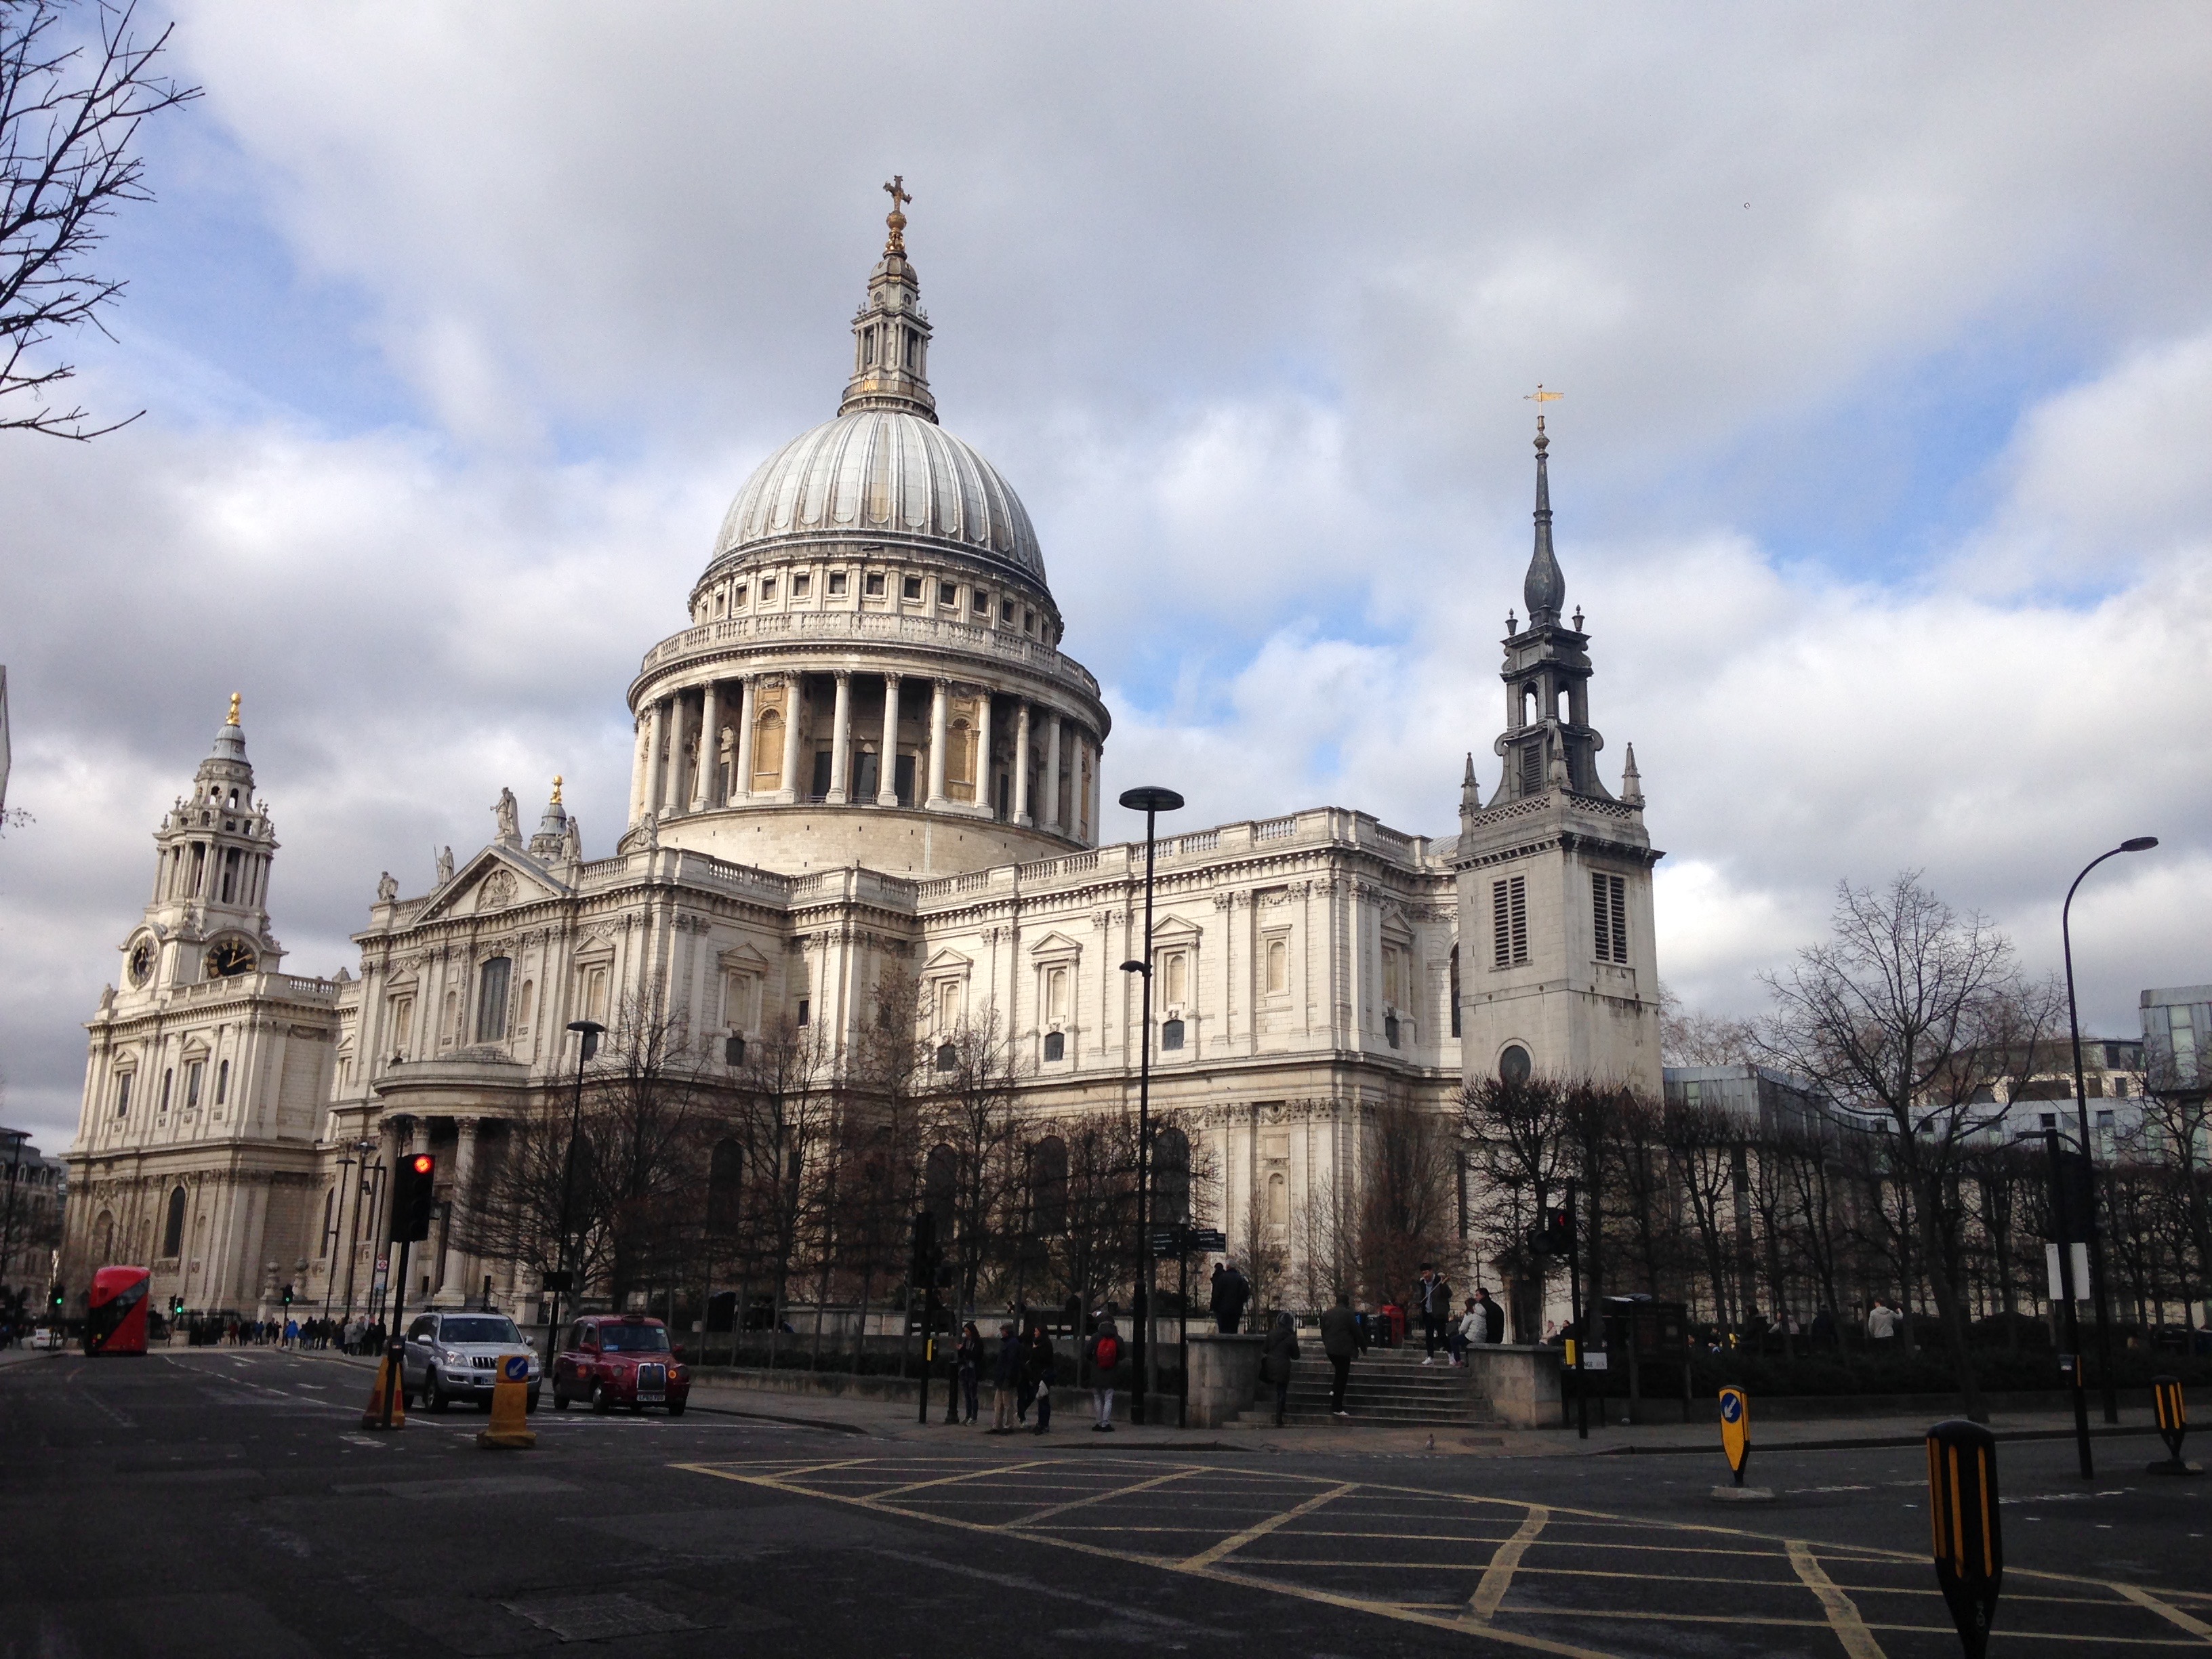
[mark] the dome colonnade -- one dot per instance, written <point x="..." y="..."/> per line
<point x="874" y="632"/>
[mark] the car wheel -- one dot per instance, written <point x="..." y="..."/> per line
<point x="560" y="1400"/>
<point x="602" y="1401"/>
<point x="530" y="1405"/>
<point x="637" y="1409"/>
<point x="485" y="1404"/>
<point x="434" y="1394"/>
<point x="675" y="1408"/>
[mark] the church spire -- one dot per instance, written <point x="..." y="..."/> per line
<point x="890" y="334"/>
<point x="1544" y="587"/>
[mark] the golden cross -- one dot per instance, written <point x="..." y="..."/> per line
<point x="557" y="788"/>
<point x="234" y="708"/>
<point x="897" y="189"/>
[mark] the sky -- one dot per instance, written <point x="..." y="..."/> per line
<point x="1885" y="333"/>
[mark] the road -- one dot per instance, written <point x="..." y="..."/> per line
<point x="220" y="1501"/>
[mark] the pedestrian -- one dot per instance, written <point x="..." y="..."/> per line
<point x="1282" y="1353"/>
<point x="1472" y="1327"/>
<point x="1231" y="1295"/>
<point x="1493" y="1317"/>
<point x="1213" y="1297"/>
<point x="1005" y="1381"/>
<point x="1340" y="1341"/>
<point x="968" y="1360"/>
<point x="1434" y="1299"/>
<point x="1105" y="1354"/>
<point x="1824" y="1328"/>
<point x="1041" y="1363"/>
<point x="1881" y="1322"/>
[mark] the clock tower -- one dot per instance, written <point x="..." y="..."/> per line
<point x="209" y="1069"/>
<point x="1559" y="974"/>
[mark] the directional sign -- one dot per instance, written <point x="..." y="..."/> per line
<point x="1735" y="1429"/>
<point x="515" y="1368"/>
<point x="1207" y="1240"/>
<point x="1968" y="1541"/>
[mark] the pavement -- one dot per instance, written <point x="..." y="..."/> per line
<point x="226" y="1501"/>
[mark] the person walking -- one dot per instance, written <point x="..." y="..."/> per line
<point x="1005" y="1381"/>
<point x="968" y="1360"/>
<point x="1435" y="1297"/>
<point x="1340" y="1341"/>
<point x="1282" y="1353"/>
<point x="1105" y="1353"/>
<point x="1229" y="1296"/>
<point x="1040" y="1364"/>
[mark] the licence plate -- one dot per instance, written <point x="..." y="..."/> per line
<point x="652" y="1383"/>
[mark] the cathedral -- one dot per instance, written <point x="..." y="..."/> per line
<point x="865" y="757"/>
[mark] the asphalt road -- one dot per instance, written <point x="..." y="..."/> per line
<point x="216" y="1501"/>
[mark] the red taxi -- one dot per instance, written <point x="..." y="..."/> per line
<point x="620" y="1360"/>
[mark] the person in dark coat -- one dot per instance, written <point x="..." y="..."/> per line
<point x="1435" y="1309"/>
<point x="1040" y="1363"/>
<point x="1229" y="1298"/>
<point x="1282" y="1353"/>
<point x="1340" y="1341"/>
<point x="968" y="1363"/>
<point x="1493" y="1317"/>
<point x="1005" y="1381"/>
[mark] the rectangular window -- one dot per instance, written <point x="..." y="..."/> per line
<point x="1609" y="917"/>
<point x="980" y="603"/>
<point x="1394" y="975"/>
<point x="1509" y="922"/>
<point x="123" y="1094"/>
<point x="947" y="593"/>
<point x="911" y="588"/>
<point x="595" y="994"/>
<point x="1055" y="1045"/>
<point x="805" y="1010"/>
<point x="193" y="1074"/>
<point x="873" y="584"/>
<point x="767" y="589"/>
<point x="1055" y="995"/>
<point x="402" y="1023"/>
<point x="2184" y="1040"/>
<point x="492" y="982"/>
<point x="1006" y="613"/>
<point x="822" y="759"/>
<point x="837" y="581"/>
<point x="801" y="585"/>
<point x="736" y="596"/>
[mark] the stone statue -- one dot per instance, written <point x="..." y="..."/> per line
<point x="107" y="998"/>
<point x="652" y="827"/>
<point x="572" y="841"/>
<point x="445" y="865"/>
<point x="387" y="889"/>
<point x="510" y="821"/>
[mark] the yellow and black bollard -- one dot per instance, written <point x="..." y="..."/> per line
<point x="388" y="1399"/>
<point x="510" y="1429"/>
<point x="1736" y="1443"/>
<point x="1968" y="1540"/>
<point x="2173" y="1426"/>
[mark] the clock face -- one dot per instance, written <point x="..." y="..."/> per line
<point x="141" y="962"/>
<point x="229" y="958"/>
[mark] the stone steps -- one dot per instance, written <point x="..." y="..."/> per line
<point x="1390" y="1388"/>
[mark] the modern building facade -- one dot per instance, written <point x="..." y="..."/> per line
<point x="865" y="760"/>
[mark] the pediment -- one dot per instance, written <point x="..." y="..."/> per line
<point x="1175" y="930"/>
<point x="497" y="878"/>
<point x="743" y="958"/>
<point x="948" y="961"/>
<point x="1057" y="944"/>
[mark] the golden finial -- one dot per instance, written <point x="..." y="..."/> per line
<point x="234" y="708"/>
<point x="557" y="788"/>
<point x="1540" y="397"/>
<point x="896" y="220"/>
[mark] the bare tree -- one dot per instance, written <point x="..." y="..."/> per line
<point x="1262" y="1250"/>
<point x="1522" y="1152"/>
<point x="781" y="1122"/>
<point x="1408" y="1197"/>
<point x="971" y="1128"/>
<point x="1325" y="1238"/>
<point x="69" y="123"/>
<point x="1689" y="1036"/>
<point x="1908" y="1016"/>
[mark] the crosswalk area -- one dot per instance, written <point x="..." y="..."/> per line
<point x="1509" y="1575"/>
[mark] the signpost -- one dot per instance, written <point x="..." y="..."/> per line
<point x="1181" y="1242"/>
<point x="1968" y="1539"/>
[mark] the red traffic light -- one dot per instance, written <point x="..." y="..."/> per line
<point x="422" y="1163"/>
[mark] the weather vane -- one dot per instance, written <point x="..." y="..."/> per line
<point x="896" y="220"/>
<point x="1540" y="397"/>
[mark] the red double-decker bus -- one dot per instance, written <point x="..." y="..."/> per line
<point x="115" y="1312"/>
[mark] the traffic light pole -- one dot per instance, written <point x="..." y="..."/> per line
<point x="395" y="1344"/>
<point x="2061" y="1211"/>
<point x="1574" y="1311"/>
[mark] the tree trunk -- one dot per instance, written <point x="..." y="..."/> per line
<point x="1949" y="1308"/>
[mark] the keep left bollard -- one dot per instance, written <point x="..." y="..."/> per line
<point x="2173" y="1426"/>
<point x="1968" y="1540"/>
<point x="1735" y="1444"/>
<point x="510" y="1429"/>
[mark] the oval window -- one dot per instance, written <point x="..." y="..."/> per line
<point x="1513" y="1064"/>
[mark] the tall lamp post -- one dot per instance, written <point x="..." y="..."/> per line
<point x="587" y="1032"/>
<point x="2134" y="844"/>
<point x="365" y="1145"/>
<point x="1151" y="801"/>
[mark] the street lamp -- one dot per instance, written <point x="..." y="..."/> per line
<point x="2135" y="844"/>
<point x="1151" y="801"/>
<point x="588" y="1033"/>
<point x="365" y="1145"/>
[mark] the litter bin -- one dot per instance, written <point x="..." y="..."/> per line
<point x="1389" y="1326"/>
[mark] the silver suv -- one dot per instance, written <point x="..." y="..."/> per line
<point x="455" y="1356"/>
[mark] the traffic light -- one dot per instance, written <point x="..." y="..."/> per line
<point x="288" y="1296"/>
<point x="411" y="1193"/>
<point x="926" y="1254"/>
<point x="57" y="1299"/>
<point x="1555" y="1235"/>
<point x="176" y="1307"/>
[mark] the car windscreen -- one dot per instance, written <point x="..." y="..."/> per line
<point x="485" y="1327"/>
<point x="634" y="1339"/>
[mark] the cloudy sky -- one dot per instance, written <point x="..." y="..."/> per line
<point x="1886" y="334"/>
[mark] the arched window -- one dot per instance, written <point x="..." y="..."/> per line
<point x="767" y="750"/>
<point x="172" y="1230"/>
<point x="522" y="1003"/>
<point x="1454" y="990"/>
<point x="492" y="981"/>
<point x="1171" y="1177"/>
<point x="103" y="1234"/>
<point x="222" y="1083"/>
<point x="940" y="1185"/>
<point x="1171" y="1034"/>
<point x="1278" y="1201"/>
<point x="1048" y="1187"/>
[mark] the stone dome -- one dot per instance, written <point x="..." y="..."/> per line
<point x="884" y="475"/>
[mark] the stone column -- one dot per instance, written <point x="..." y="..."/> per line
<point x="887" y="762"/>
<point x="1022" y="764"/>
<point x="938" y="701"/>
<point x="454" y="1270"/>
<point x="679" y="718"/>
<point x="656" y="732"/>
<point x="841" y="742"/>
<point x="710" y="739"/>
<point x="986" y="798"/>
<point x="640" y="768"/>
<point x="1098" y="787"/>
<point x="741" y="781"/>
<point x="794" y="705"/>
<point x="1049" y="819"/>
<point x="419" y="1129"/>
